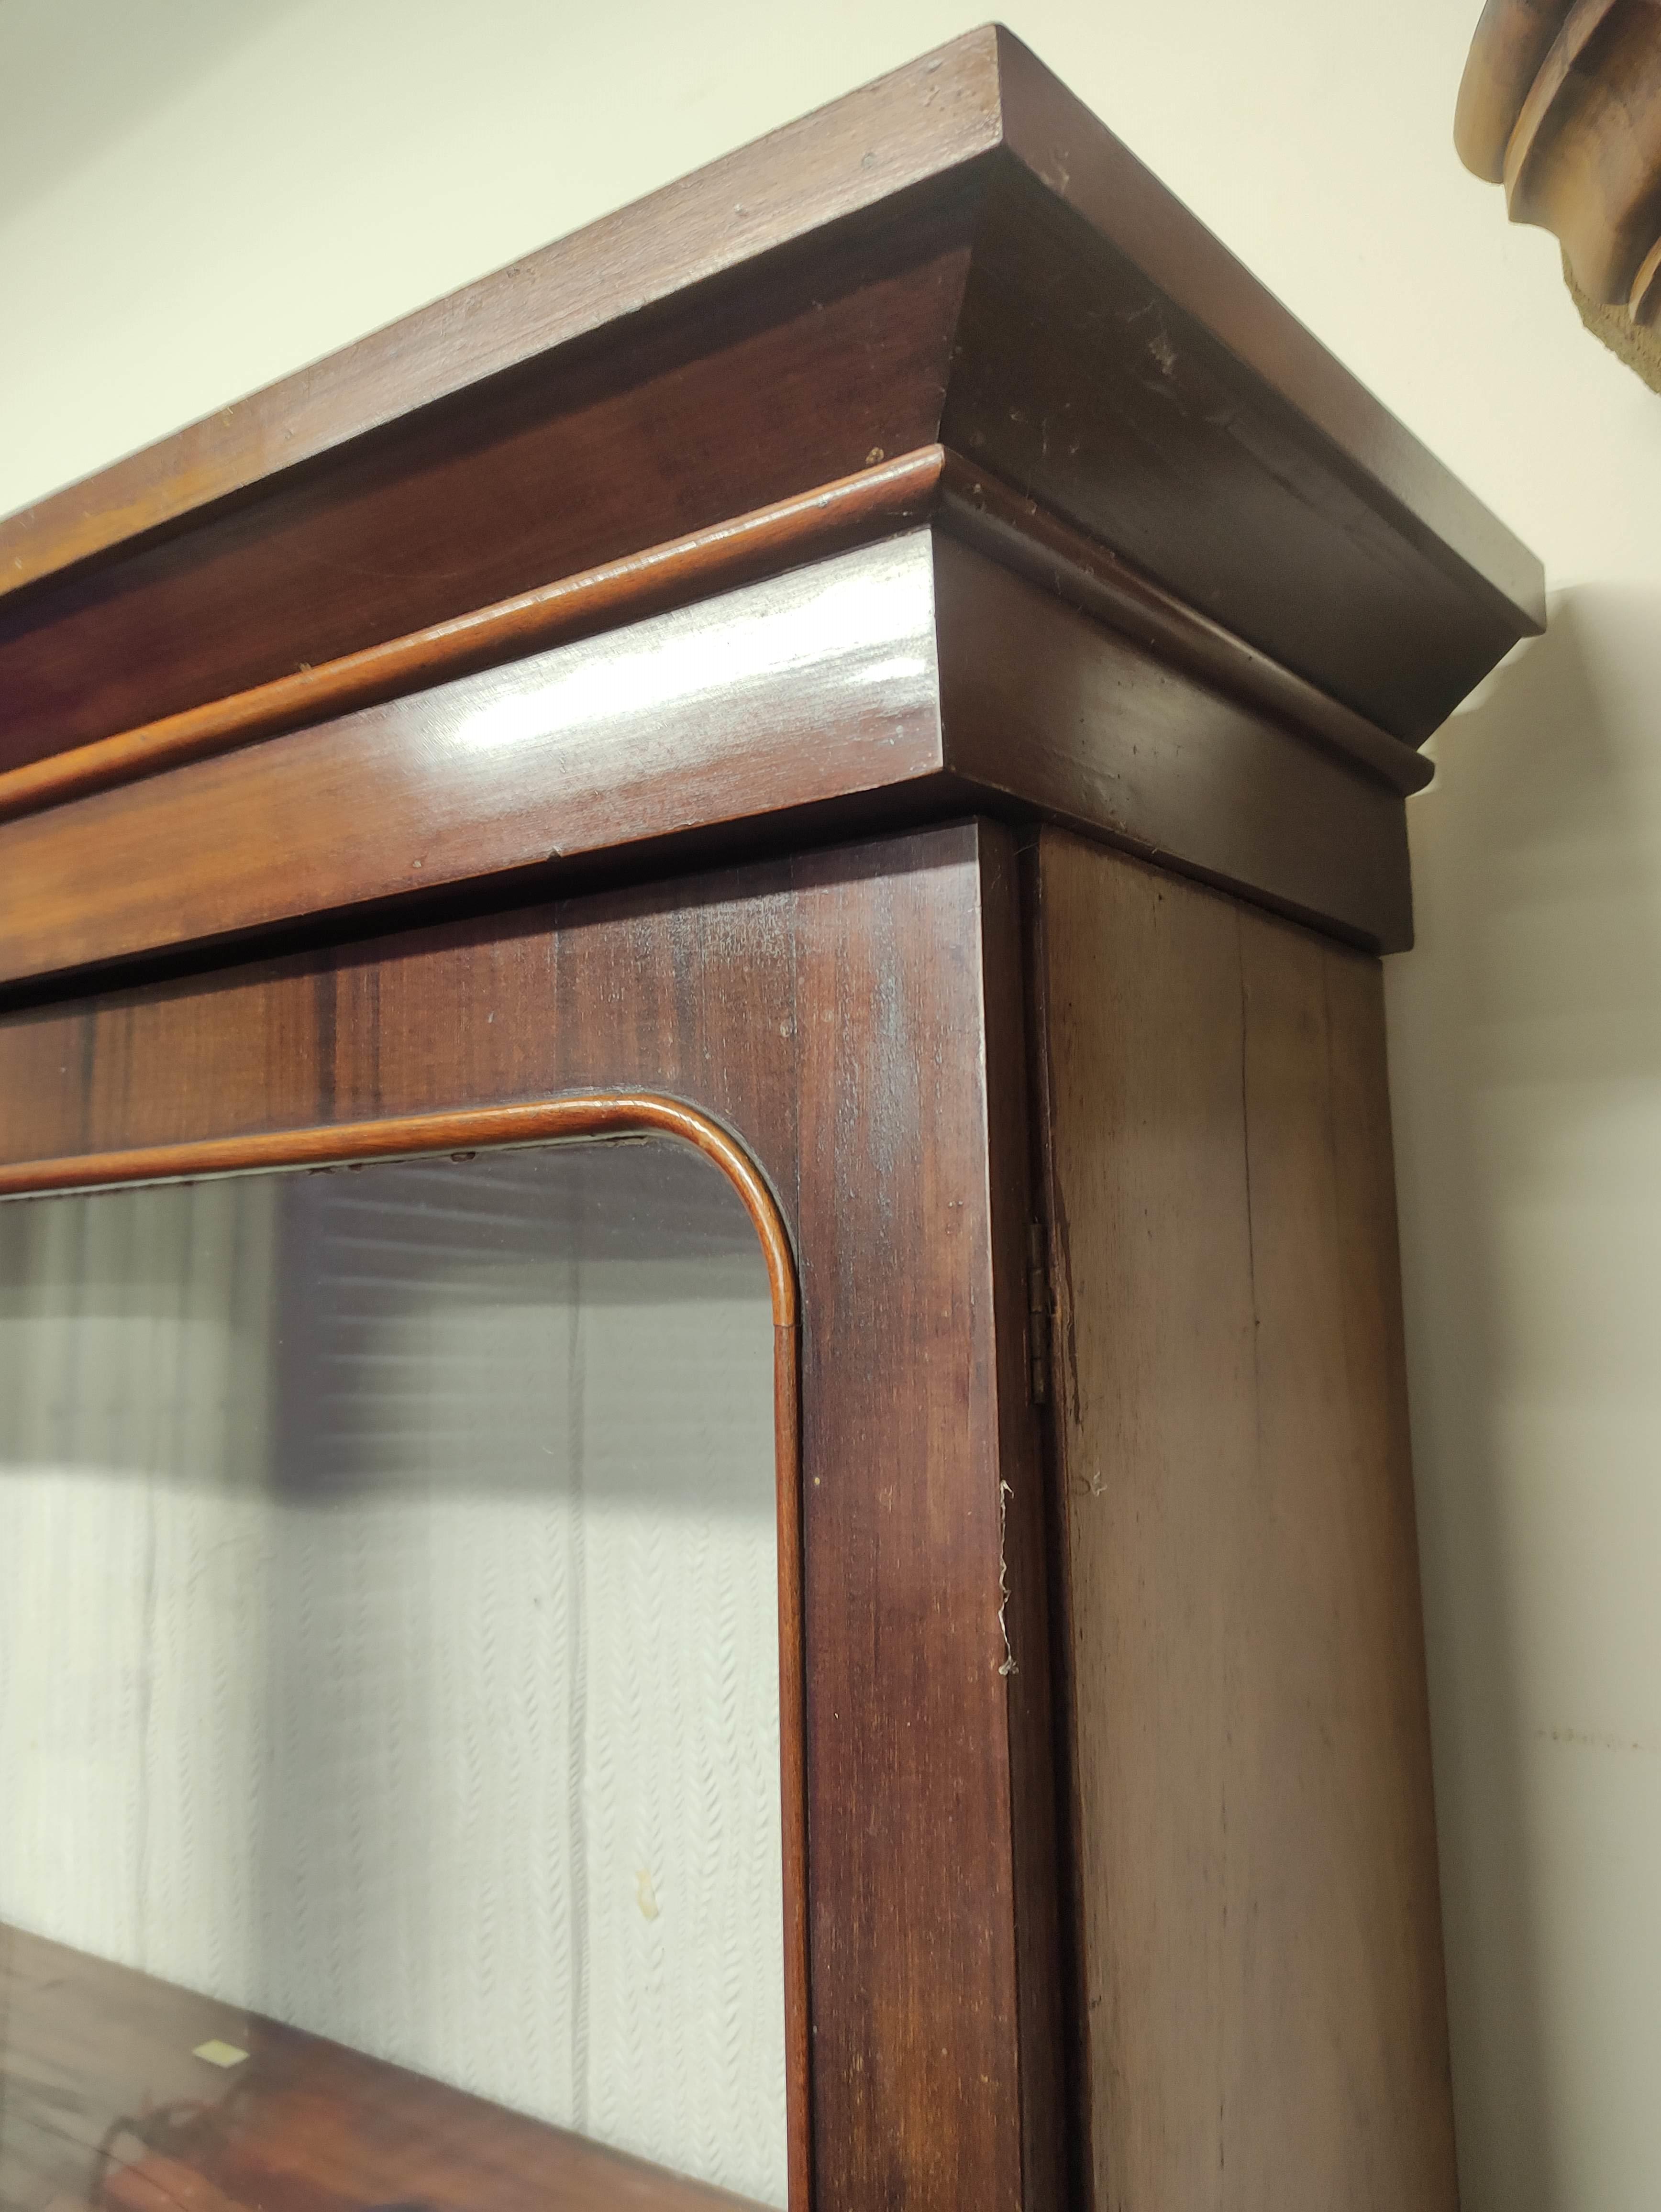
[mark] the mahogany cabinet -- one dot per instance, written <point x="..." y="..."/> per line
<point x="795" y="1576"/>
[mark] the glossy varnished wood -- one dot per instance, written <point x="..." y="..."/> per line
<point x="105" y="2108"/>
<point x="960" y="253"/>
<point x="700" y="411"/>
<point x="1034" y="542"/>
<point x="1260" y="1974"/>
<point x="1045" y="711"/>
<point x="903" y="131"/>
<point x="409" y="1136"/>
<point x="912" y="674"/>
<point x="800" y="689"/>
<point x="971" y="502"/>
<point x="688" y="569"/>
<point x="844" y="1015"/>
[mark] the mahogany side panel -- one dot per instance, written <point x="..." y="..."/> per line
<point x="833" y="1012"/>
<point x="1255" y="1846"/>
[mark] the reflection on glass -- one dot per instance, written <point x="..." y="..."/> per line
<point x="388" y="1647"/>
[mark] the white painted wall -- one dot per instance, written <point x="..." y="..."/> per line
<point x="197" y="196"/>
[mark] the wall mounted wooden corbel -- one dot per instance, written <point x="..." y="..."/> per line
<point x="898" y="661"/>
<point x="1560" y="102"/>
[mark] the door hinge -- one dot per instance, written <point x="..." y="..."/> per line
<point x="1037" y="1311"/>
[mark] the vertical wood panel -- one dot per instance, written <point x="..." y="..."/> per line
<point x="1261" y="1960"/>
<point x="902" y="1470"/>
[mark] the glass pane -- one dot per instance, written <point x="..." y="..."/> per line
<point x="388" y="1649"/>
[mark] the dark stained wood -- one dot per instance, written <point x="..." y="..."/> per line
<point x="703" y="410"/>
<point x="1102" y="395"/>
<point x="926" y="460"/>
<point x="916" y="124"/>
<point x="104" y="2108"/>
<point x="972" y="502"/>
<point x="1025" y="1533"/>
<point x="912" y="674"/>
<point x="1255" y="1846"/>
<point x="805" y="688"/>
<point x="960" y="253"/>
<point x="1043" y="707"/>
<point x="1015" y="530"/>
<point x="911" y="1840"/>
<point x="608" y="1114"/>
<point x="663" y="576"/>
<point x="840" y="1014"/>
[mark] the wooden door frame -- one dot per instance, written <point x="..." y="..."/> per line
<point x="594" y="1117"/>
<point x="844" y="1033"/>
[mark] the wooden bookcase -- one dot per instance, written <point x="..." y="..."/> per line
<point x="897" y="661"/>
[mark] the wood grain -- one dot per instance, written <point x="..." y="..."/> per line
<point x="1560" y="102"/>
<point x="973" y="502"/>
<point x="806" y="688"/>
<point x="610" y="1114"/>
<point x="1261" y="1983"/>
<point x="1018" y="533"/>
<point x="103" y="2107"/>
<point x="910" y="676"/>
<point x="1044" y="710"/>
<point x="1024" y="1532"/>
<point x="926" y="119"/>
<point x="958" y="254"/>
<point x="821" y="521"/>
<point x="695" y="412"/>
<point x="835" y="1013"/>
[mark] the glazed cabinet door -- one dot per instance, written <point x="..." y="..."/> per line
<point x="522" y="1649"/>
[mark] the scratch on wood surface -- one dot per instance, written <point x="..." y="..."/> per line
<point x="1005" y="1494"/>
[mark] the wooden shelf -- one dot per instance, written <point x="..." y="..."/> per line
<point x="104" y="2104"/>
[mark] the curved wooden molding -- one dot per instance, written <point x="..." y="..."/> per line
<point x="1562" y="103"/>
<point x="1017" y="532"/>
<point x="547" y="1120"/>
<point x="876" y="501"/>
<point x="539" y="1122"/>
<point x="1512" y="40"/>
<point x="683" y="569"/>
<point x="959" y="256"/>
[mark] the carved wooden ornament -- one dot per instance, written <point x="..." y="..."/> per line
<point x="1560" y="102"/>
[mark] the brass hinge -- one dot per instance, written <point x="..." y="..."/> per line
<point x="1037" y="1311"/>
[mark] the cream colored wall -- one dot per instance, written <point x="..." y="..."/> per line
<point x="197" y="196"/>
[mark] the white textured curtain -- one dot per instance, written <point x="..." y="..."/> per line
<point x="388" y="1635"/>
